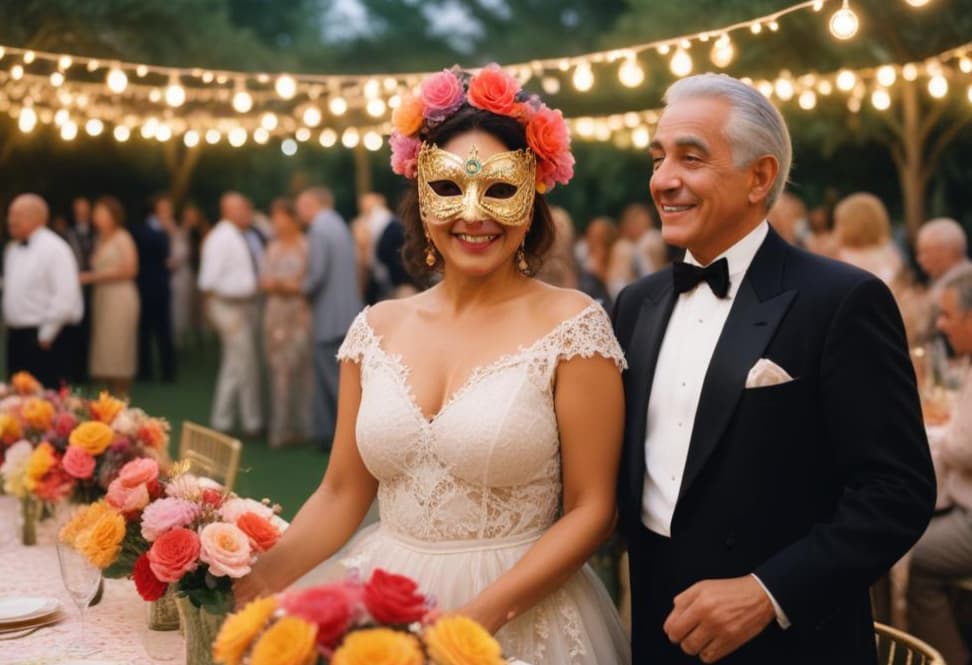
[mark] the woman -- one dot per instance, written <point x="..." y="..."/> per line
<point x="596" y="280"/>
<point x="286" y="328"/>
<point x="485" y="413"/>
<point x="182" y="279"/>
<point x="114" y="299"/>
<point x="863" y="231"/>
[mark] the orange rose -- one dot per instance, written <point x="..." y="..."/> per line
<point x="239" y="630"/>
<point x="407" y="118"/>
<point x="105" y="408"/>
<point x="102" y="542"/>
<point x="262" y="534"/>
<point x="10" y="430"/>
<point x="93" y="436"/>
<point x="42" y="460"/>
<point x="39" y="413"/>
<point x="290" y="641"/>
<point x="24" y="383"/>
<point x="155" y="433"/>
<point x="378" y="646"/>
<point x="83" y="519"/>
<point x="494" y="90"/>
<point x="458" y="640"/>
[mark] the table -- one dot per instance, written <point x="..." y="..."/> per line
<point x="116" y="626"/>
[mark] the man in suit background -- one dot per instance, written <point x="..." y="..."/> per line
<point x="331" y="285"/>
<point x="155" y="295"/>
<point x="775" y="458"/>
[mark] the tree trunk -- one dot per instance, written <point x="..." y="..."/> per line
<point x="362" y="171"/>
<point x="913" y="182"/>
<point x="181" y="162"/>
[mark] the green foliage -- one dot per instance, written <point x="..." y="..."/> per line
<point x="213" y="594"/>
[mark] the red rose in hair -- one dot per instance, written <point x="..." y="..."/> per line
<point x="149" y="587"/>
<point x="393" y="599"/>
<point x="262" y="534"/>
<point x="493" y="90"/>
<point x="327" y="607"/>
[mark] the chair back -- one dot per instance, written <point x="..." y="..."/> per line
<point x="896" y="647"/>
<point x="210" y="453"/>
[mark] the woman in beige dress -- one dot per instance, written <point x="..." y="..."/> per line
<point x="114" y="300"/>
<point x="286" y="328"/>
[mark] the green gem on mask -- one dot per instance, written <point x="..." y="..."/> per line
<point x="473" y="166"/>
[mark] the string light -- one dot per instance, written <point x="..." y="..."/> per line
<point x="29" y="57"/>
<point x="141" y="71"/>
<point x="583" y="77"/>
<point x="350" y="138"/>
<point x="722" y="52"/>
<point x="117" y="80"/>
<point x="630" y="73"/>
<point x="965" y="64"/>
<point x="844" y="22"/>
<point x="303" y="134"/>
<point x="57" y="79"/>
<point x="373" y="141"/>
<point x="338" y="106"/>
<point x="69" y="130"/>
<point x="550" y="85"/>
<point x="175" y="94"/>
<point x="938" y="86"/>
<point x="64" y="62"/>
<point x="286" y="86"/>
<point x="191" y="138"/>
<point x="917" y="3"/>
<point x="27" y="120"/>
<point x="16" y="72"/>
<point x="237" y="137"/>
<point x="312" y="116"/>
<point x="121" y="133"/>
<point x="261" y="135"/>
<point x="163" y="132"/>
<point x="242" y="101"/>
<point x="269" y="122"/>
<point x="376" y="108"/>
<point x="886" y="76"/>
<point x="784" y="89"/>
<point x="846" y="80"/>
<point x="213" y="136"/>
<point x="94" y="127"/>
<point x="807" y="100"/>
<point x="289" y="147"/>
<point x="681" y="63"/>
<point x="909" y="72"/>
<point x="880" y="99"/>
<point x="328" y="138"/>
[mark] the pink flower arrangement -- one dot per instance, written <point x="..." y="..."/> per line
<point x="226" y="549"/>
<point x="78" y="463"/>
<point x="166" y="514"/>
<point x="174" y="554"/>
<point x="491" y="89"/>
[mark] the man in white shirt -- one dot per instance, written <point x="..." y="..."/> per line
<point x="228" y="276"/>
<point x="41" y="294"/>
<point x="775" y="459"/>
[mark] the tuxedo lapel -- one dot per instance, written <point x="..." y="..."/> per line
<point x="757" y="311"/>
<point x="642" y="354"/>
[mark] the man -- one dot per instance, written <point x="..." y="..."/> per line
<point x="228" y="276"/>
<point x="941" y="252"/>
<point x="81" y="234"/>
<point x="944" y="553"/>
<point x="775" y="459"/>
<point x="331" y="285"/>
<point x="155" y="294"/>
<point x="81" y="237"/>
<point x="379" y="238"/>
<point x="41" y="294"/>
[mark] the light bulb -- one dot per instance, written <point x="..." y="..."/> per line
<point x="94" y="127"/>
<point x="328" y="138"/>
<point x="373" y="141"/>
<point x="970" y="93"/>
<point x="681" y="63"/>
<point x="640" y="137"/>
<point x="371" y="88"/>
<point x="844" y="23"/>
<point x="722" y="52"/>
<point x="117" y="81"/>
<point x="213" y="136"/>
<point x="583" y="77"/>
<point x="261" y="135"/>
<point x="191" y="138"/>
<point x="163" y="133"/>
<point x="886" y="76"/>
<point x="391" y="84"/>
<point x="909" y="72"/>
<point x="64" y="62"/>
<point x="756" y="28"/>
<point x="917" y="3"/>
<point x="175" y="95"/>
<point x="69" y="130"/>
<point x="29" y="57"/>
<point x="16" y="72"/>
<point x="854" y="105"/>
<point x="286" y="86"/>
<point x="269" y="121"/>
<point x="61" y="117"/>
<point x="338" y="106"/>
<point x="376" y="107"/>
<point x="938" y="86"/>
<point x="121" y="133"/>
<point x="302" y="134"/>
<point x="350" y="137"/>
<point x="765" y="88"/>
<point x="237" y="137"/>
<point x="965" y="64"/>
<point x="550" y="85"/>
<point x="784" y="89"/>
<point x="155" y="95"/>
<point x="57" y="79"/>
<point x="93" y="65"/>
<point x="807" y="100"/>
<point x="289" y="147"/>
<point x="825" y="87"/>
<point x="846" y="80"/>
<point x="632" y="120"/>
<point x="312" y="116"/>
<point x="880" y="99"/>
<point x="242" y="101"/>
<point x="630" y="73"/>
<point x="27" y="119"/>
<point x="141" y="71"/>
<point x="148" y="128"/>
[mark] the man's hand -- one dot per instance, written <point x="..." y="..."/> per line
<point x="45" y="345"/>
<point x="714" y="618"/>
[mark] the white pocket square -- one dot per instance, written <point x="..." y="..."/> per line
<point x="766" y="373"/>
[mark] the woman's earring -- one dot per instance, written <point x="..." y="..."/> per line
<point x="521" y="260"/>
<point x="430" y="257"/>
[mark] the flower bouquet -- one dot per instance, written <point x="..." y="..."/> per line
<point x="383" y="620"/>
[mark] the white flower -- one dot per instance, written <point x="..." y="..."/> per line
<point x="185" y="486"/>
<point x="233" y="509"/>
<point x="128" y="421"/>
<point x="14" y="466"/>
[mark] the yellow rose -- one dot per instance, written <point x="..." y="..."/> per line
<point x="10" y="429"/>
<point x="39" y="413"/>
<point x="93" y="436"/>
<point x="105" y="408"/>
<point x="39" y="463"/>
<point x="102" y="542"/>
<point x="82" y="520"/>
<point x="378" y="646"/>
<point x="290" y="641"/>
<point x="458" y="640"/>
<point x="24" y="383"/>
<point x="239" y="629"/>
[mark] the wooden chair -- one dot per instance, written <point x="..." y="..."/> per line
<point x="210" y="453"/>
<point x="896" y="647"/>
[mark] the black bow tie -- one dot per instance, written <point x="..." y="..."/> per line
<point x="688" y="276"/>
<point x="23" y="243"/>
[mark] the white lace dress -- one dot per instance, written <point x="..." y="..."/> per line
<point x="464" y="495"/>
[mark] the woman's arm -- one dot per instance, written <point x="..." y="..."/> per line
<point x="127" y="268"/>
<point x="589" y="404"/>
<point x="329" y="518"/>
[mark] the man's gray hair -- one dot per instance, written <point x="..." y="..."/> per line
<point x="945" y="231"/>
<point x="962" y="283"/>
<point x="755" y="127"/>
<point x="322" y="195"/>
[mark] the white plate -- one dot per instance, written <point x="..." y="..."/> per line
<point x="21" y="608"/>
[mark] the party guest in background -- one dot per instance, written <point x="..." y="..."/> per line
<point x="114" y="301"/>
<point x="287" y="328"/>
<point x="182" y="278"/>
<point x="81" y="237"/>
<point x="41" y="293"/>
<point x="155" y="320"/>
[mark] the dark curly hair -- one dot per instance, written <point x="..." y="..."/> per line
<point x="510" y="133"/>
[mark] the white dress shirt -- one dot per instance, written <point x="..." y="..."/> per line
<point x="227" y="268"/>
<point x="683" y="360"/>
<point x="41" y="288"/>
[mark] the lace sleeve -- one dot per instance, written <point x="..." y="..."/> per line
<point x="358" y="340"/>
<point x="587" y="334"/>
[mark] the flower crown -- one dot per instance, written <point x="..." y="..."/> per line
<point x="492" y="89"/>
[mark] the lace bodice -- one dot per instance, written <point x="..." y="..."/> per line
<point x="487" y="465"/>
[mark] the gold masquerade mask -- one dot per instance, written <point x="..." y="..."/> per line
<point x="451" y="188"/>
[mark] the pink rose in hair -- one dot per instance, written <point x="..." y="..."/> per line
<point x="404" y="158"/>
<point x="78" y="463"/>
<point x="442" y="95"/>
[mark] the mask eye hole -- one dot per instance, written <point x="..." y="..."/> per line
<point x="445" y="188"/>
<point x="501" y="190"/>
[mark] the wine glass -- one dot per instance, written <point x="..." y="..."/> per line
<point x="81" y="579"/>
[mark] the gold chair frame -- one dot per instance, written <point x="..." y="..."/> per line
<point x="210" y="453"/>
<point x="897" y="647"/>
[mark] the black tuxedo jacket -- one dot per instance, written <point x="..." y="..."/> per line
<point x="817" y="485"/>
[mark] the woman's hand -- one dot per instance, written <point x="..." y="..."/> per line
<point x="249" y="588"/>
<point x="489" y="618"/>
